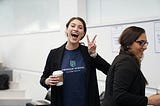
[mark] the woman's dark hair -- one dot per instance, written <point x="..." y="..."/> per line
<point x="129" y="36"/>
<point x="80" y="19"/>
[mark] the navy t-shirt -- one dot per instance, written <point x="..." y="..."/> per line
<point x="74" y="85"/>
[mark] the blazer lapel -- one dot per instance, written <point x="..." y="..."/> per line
<point x="59" y="56"/>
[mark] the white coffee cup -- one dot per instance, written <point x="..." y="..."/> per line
<point x="59" y="73"/>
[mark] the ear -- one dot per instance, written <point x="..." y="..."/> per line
<point x="128" y="47"/>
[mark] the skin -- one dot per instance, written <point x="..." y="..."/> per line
<point x="138" y="49"/>
<point x="75" y="32"/>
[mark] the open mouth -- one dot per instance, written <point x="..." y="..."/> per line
<point x="74" y="35"/>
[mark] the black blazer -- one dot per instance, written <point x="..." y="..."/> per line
<point x="125" y="83"/>
<point x="54" y="62"/>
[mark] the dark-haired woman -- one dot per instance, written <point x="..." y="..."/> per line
<point x="125" y="83"/>
<point x="79" y="64"/>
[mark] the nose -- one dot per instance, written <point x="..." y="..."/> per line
<point x="76" y="28"/>
<point x="145" y="47"/>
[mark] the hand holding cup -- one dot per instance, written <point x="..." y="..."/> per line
<point x="55" y="79"/>
<point x="59" y="75"/>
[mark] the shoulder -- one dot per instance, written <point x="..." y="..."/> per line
<point x="56" y="51"/>
<point x="83" y="47"/>
<point x="124" y="58"/>
<point x="125" y="63"/>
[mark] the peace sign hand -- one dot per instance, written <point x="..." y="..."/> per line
<point x="91" y="45"/>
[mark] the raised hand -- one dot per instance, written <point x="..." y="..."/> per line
<point x="91" y="45"/>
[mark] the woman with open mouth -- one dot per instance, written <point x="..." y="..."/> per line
<point x="79" y="64"/>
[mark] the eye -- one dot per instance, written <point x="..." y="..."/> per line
<point x="142" y="42"/>
<point x="80" y="27"/>
<point x="72" y="25"/>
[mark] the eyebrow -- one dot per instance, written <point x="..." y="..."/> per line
<point x="76" y="24"/>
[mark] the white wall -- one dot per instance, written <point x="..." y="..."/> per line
<point x="106" y="11"/>
<point x="26" y="54"/>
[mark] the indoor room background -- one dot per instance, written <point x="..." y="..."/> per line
<point x="29" y="29"/>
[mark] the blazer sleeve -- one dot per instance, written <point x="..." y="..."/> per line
<point x="101" y="64"/>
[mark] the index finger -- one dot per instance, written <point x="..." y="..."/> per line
<point x="94" y="38"/>
<point x="88" y="39"/>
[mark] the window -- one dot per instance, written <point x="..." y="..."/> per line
<point x="28" y="16"/>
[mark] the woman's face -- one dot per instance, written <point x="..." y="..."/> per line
<point x="75" y="31"/>
<point x="138" y="47"/>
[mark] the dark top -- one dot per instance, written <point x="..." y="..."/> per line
<point x="74" y="84"/>
<point x="54" y="62"/>
<point x="125" y="83"/>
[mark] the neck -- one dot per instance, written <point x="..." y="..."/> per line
<point x="71" y="46"/>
